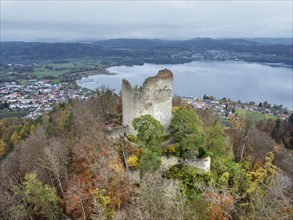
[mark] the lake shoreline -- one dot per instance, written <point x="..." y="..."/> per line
<point x="86" y="74"/>
<point x="238" y="80"/>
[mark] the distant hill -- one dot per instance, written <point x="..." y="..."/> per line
<point x="134" y="51"/>
<point x="131" y="43"/>
<point x="197" y="43"/>
<point x="282" y="41"/>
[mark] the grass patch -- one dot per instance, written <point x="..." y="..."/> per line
<point x="19" y="113"/>
<point x="256" y="116"/>
<point x="62" y="65"/>
<point x="41" y="72"/>
<point x="54" y="71"/>
<point x="48" y="73"/>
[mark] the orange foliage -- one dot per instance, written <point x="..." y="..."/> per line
<point x="97" y="166"/>
<point x="221" y="206"/>
<point x="233" y="120"/>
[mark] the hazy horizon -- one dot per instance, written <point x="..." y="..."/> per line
<point x="169" y="20"/>
<point x="52" y="40"/>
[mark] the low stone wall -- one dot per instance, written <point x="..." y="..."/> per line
<point x="114" y="133"/>
<point x="204" y="165"/>
<point x="168" y="162"/>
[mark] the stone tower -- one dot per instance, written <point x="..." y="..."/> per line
<point x="154" y="99"/>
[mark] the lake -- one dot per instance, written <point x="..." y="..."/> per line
<point x="235" y="80"/>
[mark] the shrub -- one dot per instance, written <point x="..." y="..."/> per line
<point x="149" y="162"/>
<point x="191" y="179"/>
<point x="150" y="133"/>
<point x="185" y="129"/>
<point x="201" y="152"/>
<point x="175" y="109"/>
<point x="223" y="180"/>
<point x="35" y="199"/>
<point x="133" y="161"/>
<point x="133" y="150"/>
<point x="131" y="138"/>
<point x="170" y="150"/>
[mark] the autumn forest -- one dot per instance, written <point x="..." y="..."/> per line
<point x="62" y="165"/>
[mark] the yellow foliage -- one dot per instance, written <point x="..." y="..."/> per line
<point x="276" y="149"/>
<point x="223" y="180"/>
<point x="175" y="109"/>
<point x="2" y="147"/>
<point x="262" y="175"/>
<point x="100" y="198"/>
<point x="45" y="117"/>
<point x="131" y="138"/>
<point x="62" y="118"/>
<point x="32" y="129"/>
<point x="15" y="138"/>
<point x="132" y="161"/>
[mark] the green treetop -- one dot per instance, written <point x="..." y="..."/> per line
<point x="150" y="135"/>
<point x="186" y="132"/>
<point x="150" y="132"/>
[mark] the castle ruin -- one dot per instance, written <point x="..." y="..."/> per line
<point x="155" y="99"/>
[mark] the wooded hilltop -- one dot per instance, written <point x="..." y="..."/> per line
<point x="63" y="166"/>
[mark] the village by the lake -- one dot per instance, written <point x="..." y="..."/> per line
<point x="36" y="97"/>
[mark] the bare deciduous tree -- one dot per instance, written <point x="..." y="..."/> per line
<point x="55" y="160"/>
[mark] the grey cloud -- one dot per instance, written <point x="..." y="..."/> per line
<point x="144" y="19"/>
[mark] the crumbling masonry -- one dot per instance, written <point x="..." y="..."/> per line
<point x="154" y="99"/>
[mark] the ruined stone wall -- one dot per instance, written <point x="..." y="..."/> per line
<point x="168" y="162"/>
<point x="114" y="133"/>
<point x="155" y="99"/>
<point x="203" y="164"/>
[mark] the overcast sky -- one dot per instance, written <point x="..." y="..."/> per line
<point x="73" y="20"/>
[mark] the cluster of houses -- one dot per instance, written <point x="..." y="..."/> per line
<point x="227" y="107"/>
<point x="36" y="97"/>
<point x="218" y="55"/>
